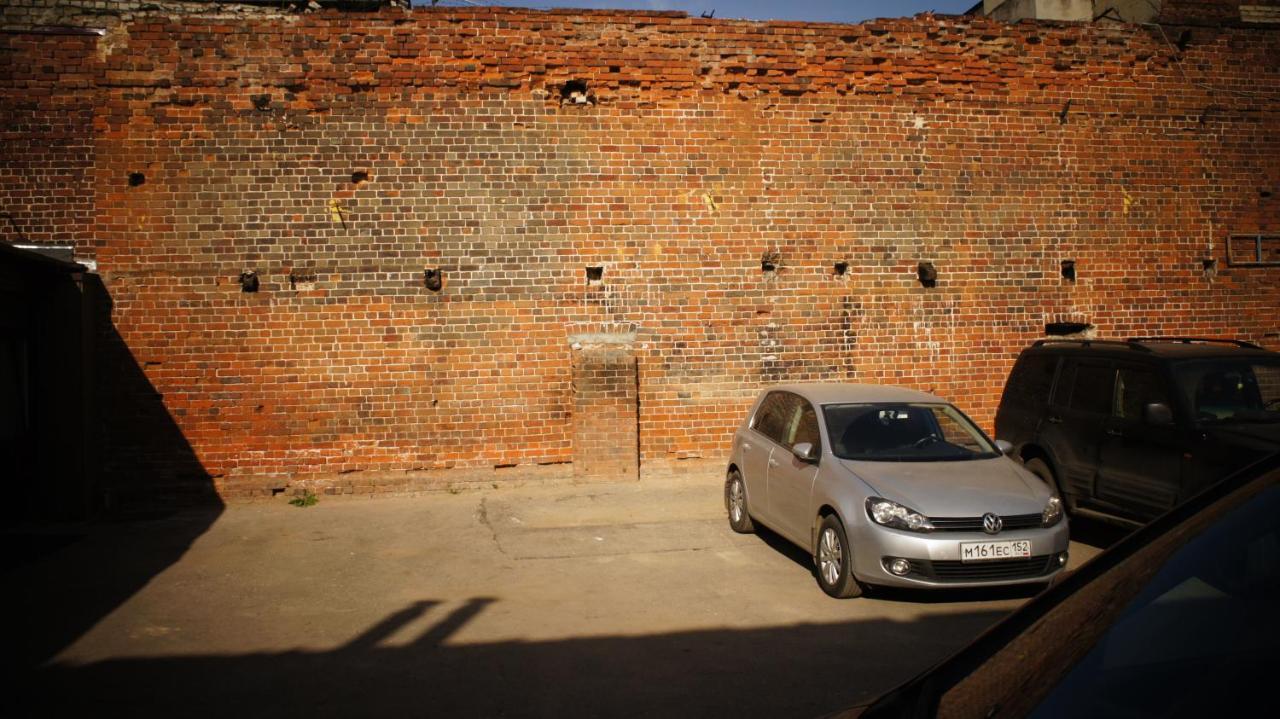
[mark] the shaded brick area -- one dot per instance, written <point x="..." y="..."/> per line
<point x="715" y="173"/>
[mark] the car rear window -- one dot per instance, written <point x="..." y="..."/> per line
<point x="1031" y="380"/>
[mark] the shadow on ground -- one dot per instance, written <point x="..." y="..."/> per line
<point x="148" y="470"/>
<point x="796" y="671"/>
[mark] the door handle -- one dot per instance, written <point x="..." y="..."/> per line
<point x="773" y="462"/>
<point x="746" y="445"/>
<point x="1055" y="420"/>
<point x="1115" y="433"/>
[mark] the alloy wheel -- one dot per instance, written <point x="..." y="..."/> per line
<point x="830" y="556"/>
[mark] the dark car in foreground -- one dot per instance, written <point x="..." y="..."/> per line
<point x="1179" y="619"/>
<point x="1124" y="430"/>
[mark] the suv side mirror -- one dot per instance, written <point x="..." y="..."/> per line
<point x="1004" y="445"/>
<point x="805" y="451"/>
<point x="1157" y="413"/>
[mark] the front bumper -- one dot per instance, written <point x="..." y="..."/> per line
<point x="935" y="557"/>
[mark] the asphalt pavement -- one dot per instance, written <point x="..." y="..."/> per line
<point x="627" y="599"/>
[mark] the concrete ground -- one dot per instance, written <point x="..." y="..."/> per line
<point x="603" y="599"/>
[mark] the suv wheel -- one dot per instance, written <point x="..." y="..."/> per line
<point x="1038" y="467"/>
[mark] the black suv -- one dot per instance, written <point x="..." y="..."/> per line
<point x="1127" y="429"/>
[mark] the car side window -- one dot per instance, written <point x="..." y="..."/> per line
<point x="806" y="427"/>
<point x="1135" y="389"/>
<point x="1091" y="393"/>
<point x="774" y="417"/>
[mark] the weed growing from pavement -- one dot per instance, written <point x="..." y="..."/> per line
<point x="307" y="499"/>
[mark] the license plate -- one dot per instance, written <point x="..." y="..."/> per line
<point x="987" y="551"/>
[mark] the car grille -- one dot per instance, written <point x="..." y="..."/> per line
<point x="974" y="524"/>
<point x="1000" y="569"/>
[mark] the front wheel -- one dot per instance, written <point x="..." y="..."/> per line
<point x="835" y="561"/>
<point x="735" y="500"/>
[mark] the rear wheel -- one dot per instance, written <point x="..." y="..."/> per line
<point x="834" y="560"/>
<point x="735" y="499"/>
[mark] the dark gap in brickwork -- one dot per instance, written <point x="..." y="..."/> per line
<point x="136" y="179"/>
<point x="1069" y="270"/>
<point x="841" y="267"/>
<point x="359" y="177"/>
<point x="433" y="279"/>
<point x="1063" y="329"/>
<point x="574" y="92"/>
<point x="1209" y="266"/>
<point x="770" y="262"/>
<point x="927" y="274"/>
<point x="249" y="281"/>
<point x="595" y="274"/>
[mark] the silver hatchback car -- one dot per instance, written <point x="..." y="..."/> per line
<point x="889" y="486"/>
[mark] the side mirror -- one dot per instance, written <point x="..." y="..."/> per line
<point x="1158" y="413"/>
<point x="805" y="451"/>
<point x="1004" y="445"/>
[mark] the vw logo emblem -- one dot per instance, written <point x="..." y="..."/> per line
<point x="992" y="523"/>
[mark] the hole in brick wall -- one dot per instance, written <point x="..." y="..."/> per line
<point x="1063" y="329"/>
<point x="1264" y="194"/>
<point x="927" y="274"/>
<point x="261" y="102"/>
<point x="840" y="267"/>
<point x="136" y="178"/>
<point x="770" y="261"/>
<point x="1069" y="270"/>
<point x="359" y="176"/>
<point x="595" y="275"/>
<point x="249" y="281"/>
<point x="574" y="92"/>
<point x="1209" y="266"/>
<point x="433" y="279"/>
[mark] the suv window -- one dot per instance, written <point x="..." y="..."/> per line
<point x="774" y="418"/>
<point x="1231" y="391"/>
<point x="1092" y="390"/>
<point x="1135" y="389"/>
<point x="1031" y="380"/>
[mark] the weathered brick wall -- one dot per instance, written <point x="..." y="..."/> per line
<point x="46" y="138"/>
<point x="339" y="155"/>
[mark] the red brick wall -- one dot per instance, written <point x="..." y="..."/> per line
<point x="992" y="151"/>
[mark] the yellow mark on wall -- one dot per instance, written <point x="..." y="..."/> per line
<point x="337" y="213"/>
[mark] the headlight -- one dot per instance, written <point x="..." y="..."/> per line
<point x="892" y="514"/>
<point x="1052" y="512"/>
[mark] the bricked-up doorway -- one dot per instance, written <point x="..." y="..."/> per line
<point x="605" y="407"/>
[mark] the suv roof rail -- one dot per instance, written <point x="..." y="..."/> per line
<point x="1194" y="340"/>
<point x="1130" y="344"/>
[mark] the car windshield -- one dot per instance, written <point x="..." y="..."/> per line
<point x="902" y="432"/>
<point x="1231" y="391"/>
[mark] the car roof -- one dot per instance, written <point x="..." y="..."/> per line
<point x="1171" y="349"/>
<point x="835" y="393"/>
